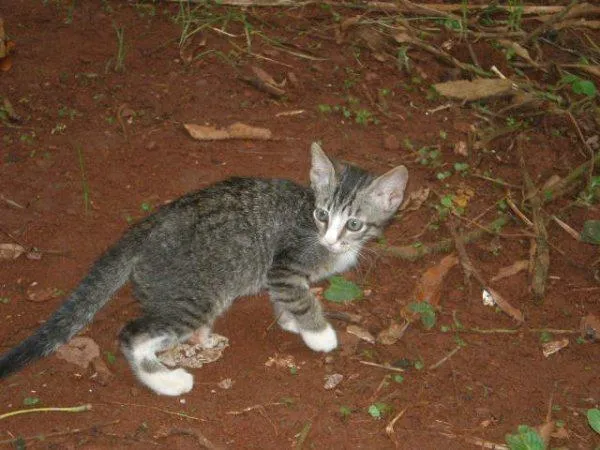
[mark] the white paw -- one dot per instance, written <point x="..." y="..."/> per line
<point x="172" y="382"/>
<point x="320" y="341"/>
<point x="289" y="325"/>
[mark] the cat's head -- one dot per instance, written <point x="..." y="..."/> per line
<point x="352" y="206"/>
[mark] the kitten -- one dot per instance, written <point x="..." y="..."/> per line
<point x="192" y="258"/>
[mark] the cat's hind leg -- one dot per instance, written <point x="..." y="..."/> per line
<point x="298" y="311"/>
<point x="141" y="339"/>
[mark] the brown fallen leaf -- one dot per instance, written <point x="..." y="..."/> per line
<point x="38" y="294"/>
<point x="505" y="306"/>
<point x="11" y="251"/>
<point x="361" y="333"/>
<point x="79" y="351"/>
<point x="415" y="199"/>
<point x="549" y="348"/>
<point x="429" y="287"/>
<point x="511" y="270"/>
<point x="392" y="334"/>
<point x="235" y="131"/>
<point x="518" y="50"/>
<point x="590" y="327"/>
<point x="476" y="89"/>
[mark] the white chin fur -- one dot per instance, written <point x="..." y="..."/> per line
<point x="172" y="382"/>
<point x="320" y="341"/>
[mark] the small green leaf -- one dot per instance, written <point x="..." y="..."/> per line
<point x="419" y="364"/>
<point x="584" y="87"/>
<point x="374" y="412"/>
<point x="111" y="358"/>
<point x="525" y="439"/>
<point x="545" y="336"/>
<point x="398" y="378"/>
<point x="341" y="290"/>
<point x="461" y="167"/>
<point x="593" y="416"/>
<point x="591" y="232"/>
<point x="30" y="401"/>
<point x="426" y="313"/>
<point x="446" y="201"/>
<point x="345" y="412"/>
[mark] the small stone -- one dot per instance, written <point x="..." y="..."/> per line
<point x="331" y="381"/>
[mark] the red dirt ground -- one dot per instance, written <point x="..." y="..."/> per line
<point x="62" y="75"/>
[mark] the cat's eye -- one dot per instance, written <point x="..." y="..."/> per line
<point x="354" y="224"/>
<point x="321" y="215"/>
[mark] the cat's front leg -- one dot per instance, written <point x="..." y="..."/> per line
<point x="298" y="311"/>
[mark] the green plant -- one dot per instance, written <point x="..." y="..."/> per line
<point x="515" y="11"/>
<point x="526" y="438"/>
<point x="426" y="313"/>
<point x="593" y="417"/>
<point x="345" y="413"/>
<point x="430" y="156"/>
<point x="379" y="410"/>
<point x="30" y="401"/>
<point x="121" y="51"/>
<point x="580" y="85"/>
<point x="341" y="290"/>
<point x="110" y="357"/>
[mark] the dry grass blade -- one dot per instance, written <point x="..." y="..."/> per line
<point x="382" y="366"/>
<point x="513" y="269"/>
<point x="10" y="202"/>
<point x="568" y="228"/>
<point x="92" y="428"/>
<point x="450" y="354"/>
<point x="389" y="428"/>
<point x="202" y="440"/>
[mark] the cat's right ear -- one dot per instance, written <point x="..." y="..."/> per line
<point x="322" y="171"/>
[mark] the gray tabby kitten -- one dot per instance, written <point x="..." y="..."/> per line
<point x="192" y="258"/>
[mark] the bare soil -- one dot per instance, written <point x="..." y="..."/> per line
<point x="118" y="138"/>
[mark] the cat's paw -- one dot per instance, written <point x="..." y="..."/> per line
<point x="289" y="325"/>
<point x="172" y="382"/>
<point x="320" y="341"/>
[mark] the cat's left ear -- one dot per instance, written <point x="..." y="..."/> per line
<point x="387" y="191"/>
<point x="322" y="171"/>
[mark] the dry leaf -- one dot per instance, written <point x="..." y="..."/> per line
<point x="225" y="383"/>
<point x="361" y="333"/>
<point x="590" y="327"/>
<point x="505" y="306"/>
<point x="416" y="199"/>
<point x="194" y="355"/>
<point x="392" y="334"/>
<point x="283" y="362"/>
<point x="549" y="348"/>
<point x="511" y="270"/>
<point x="234" y="131"/>
<point x="11" y="251"/>
<point x="79" y="351"/>
<point x="477" y="89"/>
<point x="332" y="380"/>
<point x="38" y="294"/>
<point x="519" y="50"/>
<point x="460" y="148"/>
<point x="429" y="286"/>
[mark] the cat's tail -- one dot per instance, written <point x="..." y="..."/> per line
<point x="107" y="275"/>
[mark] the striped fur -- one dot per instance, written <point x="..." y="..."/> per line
<point x="192" y="258"/>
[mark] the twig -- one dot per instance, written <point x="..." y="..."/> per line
<point x="155" y="408"/>
<point x="549" y="23"/>
<point x="11" y="202"/>
<point x="382" y="366"/>
<point x="202" y="440"/>
<point x="72" y="409"/>
<point x="517" y="330"/>
<point x="412" y="253"/>
<point x="541" y="260"/>
<point x="518" y="212"/>
<point x="569" y="229"/>
<point x="58" y="433"/>
<point x="253" y="407"/>
<point x="470" y="269"/>
<point x="585" y="144"/>
<point x="445" y="358"/>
